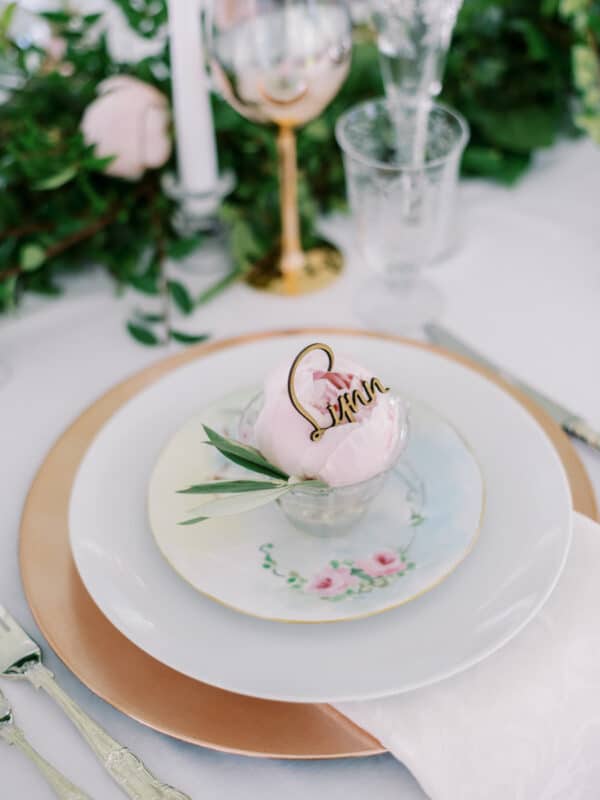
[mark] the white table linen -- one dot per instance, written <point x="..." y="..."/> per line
<point x="524" y="288"/>
<point x="523" y="724"/>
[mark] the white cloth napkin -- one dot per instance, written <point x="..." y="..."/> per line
<point x="525" y="723"/>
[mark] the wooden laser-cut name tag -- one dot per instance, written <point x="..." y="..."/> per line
<point x="347" y="404"/>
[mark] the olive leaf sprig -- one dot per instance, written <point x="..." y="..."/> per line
<point x="244" y="494"/>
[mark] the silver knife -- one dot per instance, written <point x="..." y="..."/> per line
<point x="571" y="423"/>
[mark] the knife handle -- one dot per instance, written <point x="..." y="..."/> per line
<point x="578" y="427"/>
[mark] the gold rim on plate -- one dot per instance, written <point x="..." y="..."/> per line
<point x="134" y="682"/>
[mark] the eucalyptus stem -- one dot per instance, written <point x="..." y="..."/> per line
<point x="219" y="286"/>
<point x="163" y="283"/>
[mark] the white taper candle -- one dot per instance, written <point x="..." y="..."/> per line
<point x="194" y="128"/>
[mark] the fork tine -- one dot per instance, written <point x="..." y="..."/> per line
<point x="17" y="648"/>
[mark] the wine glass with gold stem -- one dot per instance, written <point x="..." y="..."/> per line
<point x="282" y="62"/>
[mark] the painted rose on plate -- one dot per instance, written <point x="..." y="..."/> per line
<point x="384" y="562"/>
<point x="341" y="580"/>
<point x="332" y="581"/>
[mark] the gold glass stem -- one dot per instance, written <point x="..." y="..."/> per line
<point x="292" y="257"/>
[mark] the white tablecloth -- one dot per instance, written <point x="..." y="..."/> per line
<point x="525" y="288"/>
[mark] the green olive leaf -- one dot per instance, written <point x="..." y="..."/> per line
<point x="31" y="257"/>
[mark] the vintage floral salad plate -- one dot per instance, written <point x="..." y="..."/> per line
<point x="416" y="532"/>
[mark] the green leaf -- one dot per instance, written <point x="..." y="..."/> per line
<point x="150" y="318"/>
<point x="188" y="338"/>
<point x="548" y="8"/>
<point x="59" y="179"/>
<point x="57" y="17"/>
<point x="8" y="289"/>
<point x="520" y="130"/>
<point x="31" y="257"/>
<point x="143" y="335"/>
<point x="146" y="283"/>
<point x="317" y="131"/>
<point x="241" y="454"/>
<point x="493" y="163"/>
<point x="97" y="163"/>
<point x="244" y="245"/>
<point x="249" y="465"/>
<point x="229" y="487"/>
<point x="6" y="251"/>
<point x="41" y="282"/>
<point x="538" y="44"/>
<point x="181" y="248"/>
<point x="181" y="297"/>
<point x="240" y="503"/>
<point x="91" y="19"/>
<point x="192" y="521"/>
<point x="590" y="124"/>
<point x="219" y="286"/>
<point x="6" y="17"/>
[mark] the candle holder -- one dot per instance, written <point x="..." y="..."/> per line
<point x="197" y="213"/>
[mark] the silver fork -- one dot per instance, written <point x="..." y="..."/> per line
<point x="21" y="658"/>
<point x="63" y="788"/>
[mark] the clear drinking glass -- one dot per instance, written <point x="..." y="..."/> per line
<point x="402" y="209"/>
<point x="282" y="62"/>
<point x="413" y="37"/>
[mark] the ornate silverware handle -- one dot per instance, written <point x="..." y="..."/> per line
<point x="62" y="786"/>
<point x="581" y="430"/>
<point x="123" y="766"/>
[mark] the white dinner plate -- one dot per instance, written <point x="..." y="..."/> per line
<point x="420" y="527"/>
<point x="521" y="550"/>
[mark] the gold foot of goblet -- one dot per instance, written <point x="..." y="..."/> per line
<point x="321" y="266"/>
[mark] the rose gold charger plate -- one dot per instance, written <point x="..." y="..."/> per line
<point x="132" y="681"/>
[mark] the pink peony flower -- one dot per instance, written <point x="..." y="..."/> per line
<point x="346" y="454"/>
<point x="130" y="121"/>
<point x="385" y="562"/>
<point x="331" y="581"/>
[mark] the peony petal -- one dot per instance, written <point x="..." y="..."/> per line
<point x="157" y="142"/>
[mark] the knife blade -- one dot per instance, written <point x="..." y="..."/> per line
<point x="571" y="423"/>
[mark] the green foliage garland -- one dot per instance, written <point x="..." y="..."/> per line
<point x="509" y="71"/>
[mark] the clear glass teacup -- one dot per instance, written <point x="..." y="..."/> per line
<point x="333" y="510"/>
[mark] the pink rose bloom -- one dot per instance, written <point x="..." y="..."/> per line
<point x="385" y="562"/>
<point x="346" y="454"/>
<point x="331" y="581"/>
